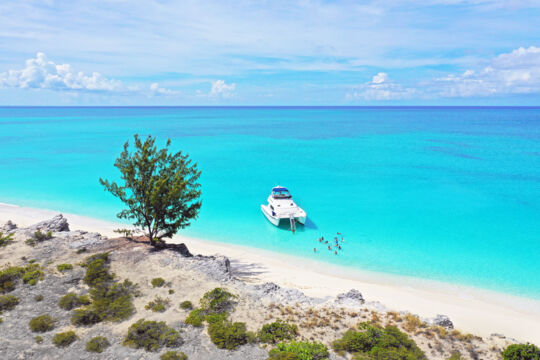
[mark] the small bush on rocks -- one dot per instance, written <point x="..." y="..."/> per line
<point x="38" y="237"/>
<point x="195" y="318"/>
<point x="277" y="331"/>
<point x="113" y="302"/>
<point x="151" y="335"/>
<point x="42" y="323"/>
<point x="64" y="267"/>
<point x="171" y="291"/>
<point x="227" y="335"/>
<point x="85" y="316"/>
<point x="64" y="339"/>
<point x="38" y="298"/>
<point x="521" y="352"/>
<point x="71" y="301"/>
<point x="97" y="270"/>
<point x="8" y="302"/>
<point x="455" y="356"/>
<point x="186" y="305"/>
<point x="173" y="355"/>
<point x="9" y="276"/>
<point x="32" y="274"/>
<point x="97" y="344"/>
<point x="158" y="304"/>
<point x="38" y="339"/>
<point x="5" y="240"/>
<point x="158" y="282"/>
<point x="302" y="351"/>
<point x="218" y="300"/>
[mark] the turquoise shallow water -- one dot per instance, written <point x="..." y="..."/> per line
<point x="449" y="194"/>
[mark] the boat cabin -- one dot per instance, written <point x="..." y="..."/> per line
<point x="281" y="193"/>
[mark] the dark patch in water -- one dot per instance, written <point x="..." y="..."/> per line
<point x="451" y="152"/>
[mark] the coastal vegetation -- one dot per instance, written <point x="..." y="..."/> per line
<point x="158" y="282"/>
<point x="97" y="344"/>
<point x="521" y="352"/>
<point x="64" y="339"/>
<point x="42" y="323"/>
<point x="173" y="355"/>
<point x="277" y="331"/>
<point x="159" y="304"/>
<point x="64" y="267"/>
<point x="29" y="274"/>
<point x="300" y="351"/>
<point x="71" y="301"/>
<point x="8" y="302"/>
<point x="151" y="335"/>
<point x="5" y="240"/>
<point x="160" y="189"/>
<point x="39" y="237"/>
<point x="186" y="305"/>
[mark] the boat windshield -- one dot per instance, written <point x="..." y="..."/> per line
<point x="281" y="193"/>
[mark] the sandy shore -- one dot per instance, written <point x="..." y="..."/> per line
<point x="472" y="310"/>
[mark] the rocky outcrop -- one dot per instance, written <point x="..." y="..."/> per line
<point x="56" y="224"/>
<point x="272" y="292"/>
<point x="441" y="320"/>
<point x="8" y="226"/>
<point x="178" y="248"/>
<point x="351" y="298"/>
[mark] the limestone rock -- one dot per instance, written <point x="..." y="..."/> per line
<point x="441" y="320"/>
<point x="351" y="298"/>
<point x="56" y="224"/>
<point x="8" y="226"/>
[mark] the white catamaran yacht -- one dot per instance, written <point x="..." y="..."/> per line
<point x="281" y="206"/>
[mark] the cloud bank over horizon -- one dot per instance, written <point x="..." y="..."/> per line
<point x="283" y="53"/>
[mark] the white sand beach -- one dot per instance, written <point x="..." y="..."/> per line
<point x="477" y="311"/>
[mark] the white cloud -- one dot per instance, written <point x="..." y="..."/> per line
<point x="41" y="73"/>
<point x="221" y="88"/>
<point x="517" y="72"/>
<point x="155" y="89"/>
<point x="381" y="88"/>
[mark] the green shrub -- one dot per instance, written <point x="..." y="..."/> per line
<point x="97" y="344"/>
<point x="214" y="318"/>
<point x="227" y="335"/>
<point x="85" y="316"/>
<point x="8" y="302"/>
<point x="171" y="291"/>
<point x="455" y="356"/>
<point x="283" y="356"/>
<point x="158" y="282"/>
<point x="38" y="237"/>
<point x="521" y="352"/>
<point x="173" y="355"/>
<point x="38" y="298"/>
<point x="277" y="331"/>
<point x="114" y="302"/>
<point x="71" y="301"/>
<point x="158" y="304"/>
<point x="195" y="317"/>
<point x="302" y="351"/>
<point x="42" y="323"/>
<point x="373" y="342"/>
<point x="1" y="320"/>
<point x="186" y="305"/>
<point x="5" y="240"/>
<point x="38" y="339"/>
<point x="64" y="267"/>
<point x="64" y="339"/>
<point x="151" y="335"/>
<point x="218" y="300"/>
<point x="97" y="270"/>
<point x="9" y="276"/>
<point x="32" y="274"/>
<point x="81" y="250"/>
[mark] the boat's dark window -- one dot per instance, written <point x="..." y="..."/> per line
<point x="271" y="207"/>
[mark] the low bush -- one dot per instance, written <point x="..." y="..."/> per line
<point x="228" y="335"/>
<point x="64" y="267"/>
<point x="374" y="342"/>
<point x="158" y="304"/>
<point x="171" y="291"/>
<point x="455" y="356"/>
<point x="97" y="270"/>
<point x="521" y="352"/>
<point x="97" y="344"/>
<point x="151" y="335"/>
<point x="8" y="302"/>
<point x="9" y="277"/>
<point x="195" y="317"/>
<point x="64" y="339"/>
<point x="215" y="318"/>
<point x="38" y="237"/>
<point x="38" y="339"/>
<point x="38" y="298"/>
<point x="5" y="240"/>
<point x="186" y="305"/>
<point x="114" y="302"/>
<point x="158" y="282"/>
<point x="71" y="301"/>
<point x="218" y="300"/>
<point x="85" y="316"/>
<point x="42" y="323"/>
<point x="277" y="331"/>
<point x="32" y="274"/>
<point x="173" y="355"/>
<point x="301" y="351"/>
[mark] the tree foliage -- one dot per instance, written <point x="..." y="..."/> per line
<point x="521" y="352"/>
<point x="160" y="189"/>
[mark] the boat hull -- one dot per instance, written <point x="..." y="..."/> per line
<point x="275" y="220"/>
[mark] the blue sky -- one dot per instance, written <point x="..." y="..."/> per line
<point x="308" y="52"/>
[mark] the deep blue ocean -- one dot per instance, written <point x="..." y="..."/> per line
<point x="449" y="194"/>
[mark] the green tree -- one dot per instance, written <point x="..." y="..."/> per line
<point x="521" y="352"/>
<point x="160" y="189"/>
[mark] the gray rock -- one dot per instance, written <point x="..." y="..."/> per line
<point x="56" y="224"/>
<point x="274" y="293"/>
<point x="351" y="298"/>
<point x="9" y="226"/>
<point x="441" y="320"/>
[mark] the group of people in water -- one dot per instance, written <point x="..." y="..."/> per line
<point x="335" y="247"/>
